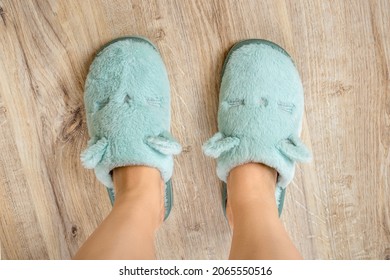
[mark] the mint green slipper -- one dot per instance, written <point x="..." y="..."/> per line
<point x="127" y="100"/>
<point x="260" y="113"/>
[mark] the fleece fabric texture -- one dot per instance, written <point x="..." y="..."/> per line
<point x="127" y="100"/>
<point x="260" y="112"/>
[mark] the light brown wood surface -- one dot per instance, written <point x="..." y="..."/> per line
<point x="337" y="207"/>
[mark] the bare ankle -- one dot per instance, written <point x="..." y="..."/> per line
<point x="129" y="178"/>
<point x="251" y="187"/>
<point x="142" y="189"/>
<point x="254" y="178"/>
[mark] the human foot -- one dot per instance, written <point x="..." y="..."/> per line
<point x="260" y="113"/>
<point x="128" y="112"/>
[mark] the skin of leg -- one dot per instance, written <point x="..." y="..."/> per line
<point x="128" y="231"/>
<point x="258" y="233"/>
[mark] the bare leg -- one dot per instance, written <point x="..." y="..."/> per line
<point x="128" y="231"/>
<point x="252" y="213"/>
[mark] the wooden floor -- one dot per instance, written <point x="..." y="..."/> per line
<point x="338" y="207"/>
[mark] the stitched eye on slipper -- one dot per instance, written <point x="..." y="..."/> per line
<point x="235" y="102"/>
<point x="154" y="101"/>
<point x="98" y="105"/>
<point x="286" y="107"/>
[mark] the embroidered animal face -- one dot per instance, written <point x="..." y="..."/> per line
<point x="127" y="103"/>
<point x="261" y="101"/>
<point x="259" y="90"/>
<point x="123" y="79"/>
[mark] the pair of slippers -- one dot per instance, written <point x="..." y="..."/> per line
<point x="127" y="102"/>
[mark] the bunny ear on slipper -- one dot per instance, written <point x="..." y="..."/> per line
<point x="219" y="144"/>
<point x="294" y="149"/>
<point x="164" y="143"/>
<point x="91" y="156"/>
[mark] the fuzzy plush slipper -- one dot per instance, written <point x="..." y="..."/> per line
<point x="260" y="113"/>
<point x="127" y="101"/>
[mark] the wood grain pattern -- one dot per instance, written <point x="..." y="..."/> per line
<point x="337" y="207"/>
